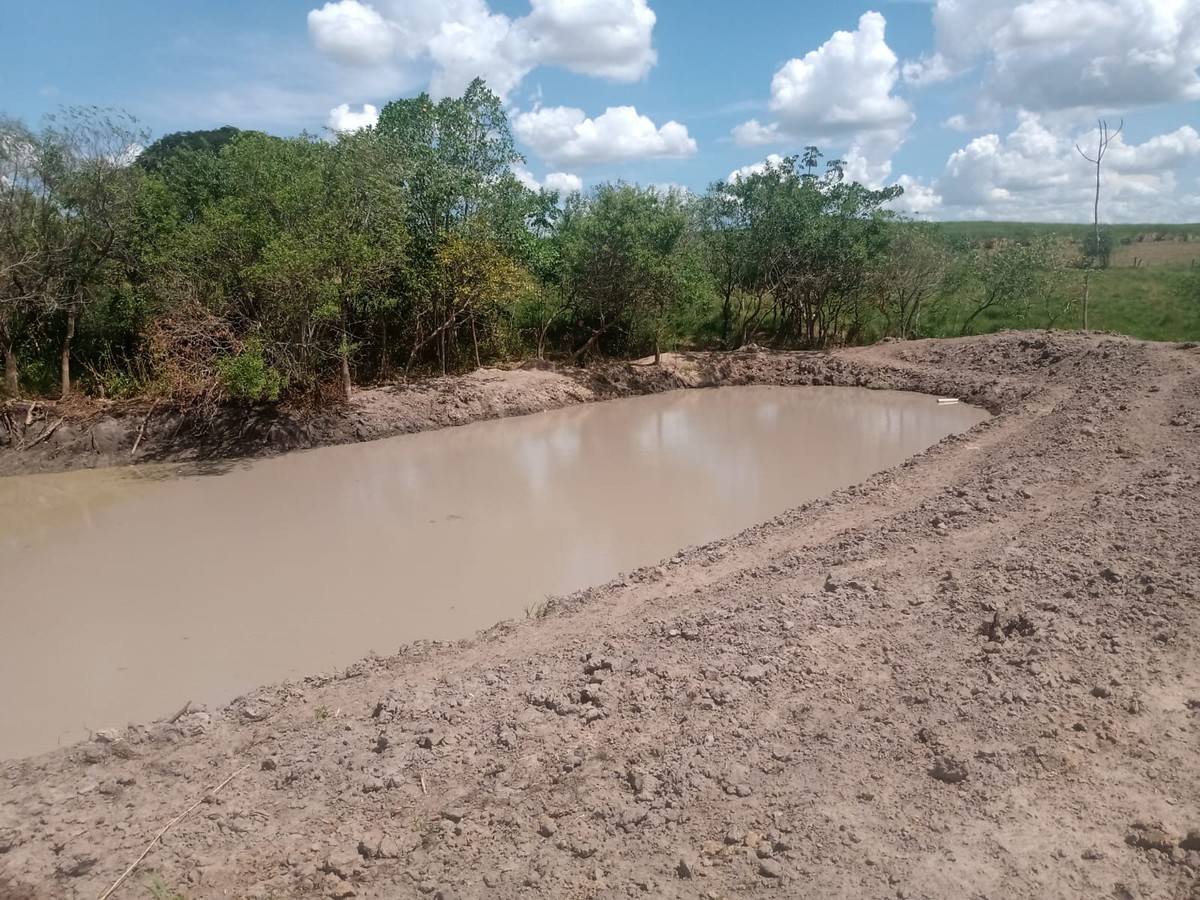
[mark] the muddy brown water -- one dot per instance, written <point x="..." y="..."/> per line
<point x="125" y="593"/>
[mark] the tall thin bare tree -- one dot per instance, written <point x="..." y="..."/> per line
<point x="1104" y="138"/>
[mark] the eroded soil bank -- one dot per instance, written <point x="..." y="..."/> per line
<point x="52" y="437"/>
<point x="973" y="675"/>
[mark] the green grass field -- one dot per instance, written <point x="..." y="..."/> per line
<point x="1147" y="233"/>
<point x="1150" y="290"/>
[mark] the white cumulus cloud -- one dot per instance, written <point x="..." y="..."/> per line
<point x="1035" y="172"/>
<point x="478" y="43"/>
<point x="773" y="159"/>
<point x="563" y="135"/>
<point x="605" y="38"/>
<point x="918" y="199"/>
<point x="351" y="32"/>
<point x="563" y="182"/>
<point x="929" y="69"/>
<point x="842" y="88"/>
<point x="842" y="93"/>
<point x="343" y="118"/>
<point x="1068" y="54"/>
<point x="454" y="41"/>
<point x="1164" y="151"/>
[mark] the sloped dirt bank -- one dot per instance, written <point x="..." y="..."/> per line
<point x="49" y="437"/>
<point x="971" y="676"/>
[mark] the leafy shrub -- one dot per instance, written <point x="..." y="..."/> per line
<point x="248" y="377"/>
<point x="118" y="385"/>
<point x="1098" y="247"/>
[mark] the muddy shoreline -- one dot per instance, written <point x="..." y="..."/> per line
<point x="45" y="436"/>
<point x="971" y="675"/>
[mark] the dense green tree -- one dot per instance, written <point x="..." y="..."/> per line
<point x="298" y="239"/>
<point x="230" y="264"/>
<point x="814" y="240"/>
<point x="69" y="196"/>
<point x="455" y="158"/>
<point x="731" y="255"/>
<point x="476" y="280"/>
<point x="624" y="267"/>
<point x="909" y="277"/>
<point x="22" y="205"/>
<point x="170" y="146"/>
<point x="455" y="152"/>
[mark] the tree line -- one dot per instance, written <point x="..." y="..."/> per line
<point x="235" y="265"/>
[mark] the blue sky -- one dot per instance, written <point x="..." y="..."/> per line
<point x="974" y="106"/>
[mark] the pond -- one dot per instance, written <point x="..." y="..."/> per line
<point x="125" y="593"/>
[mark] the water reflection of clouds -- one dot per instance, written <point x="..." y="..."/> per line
<point x="541" y="454"/>
<point x="716" y="445"/>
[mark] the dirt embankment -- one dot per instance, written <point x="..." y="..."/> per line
<point x="49" y="437"/>
<point x="973" y="675"/>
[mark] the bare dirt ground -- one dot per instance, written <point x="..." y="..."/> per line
<point x="971" y="676"/>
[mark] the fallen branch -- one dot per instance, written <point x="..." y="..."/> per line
<point x="116" y="884"/>
<point x="187" y="707"/>
<point x="591" y="342"/>
<point x="28" y="421"/>
<point x="142" y="431"/>
<point x="45" y="435"/>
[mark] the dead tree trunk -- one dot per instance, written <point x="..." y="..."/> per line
<point x="347" y="385"/>
<point x="11" y="372"/>
<point x="591" y="342"/>
<point x="475" y="340"/>
<point x="66" y="354"/>
<point x="1104" y="138"/>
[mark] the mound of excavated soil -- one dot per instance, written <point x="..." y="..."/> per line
<point x="972" y="676"/>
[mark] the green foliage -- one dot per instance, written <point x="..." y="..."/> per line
<point x="1141" y="293"/>
<point x="298" y="238"/>
<point x="233" y="265"/>
<point x="163" y="151"/>
<point x="907" y="284"/>
<point x="67" y="195"/>
<point x="119" y="385"/>
<point x="474" y="283"/>
<point x="158" y="888"/>
<point x="1189" y="292"/>
<point x="812" y="243"/>
<point x="1010" y="281"/>
<point x="625" y="267"/>
<point x="729" y="253"/>
<point x="248" y="377"/>
<point x="454" y="151"/>
<point x="1152" y="304"/>
<point x="1098" y="247"/>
